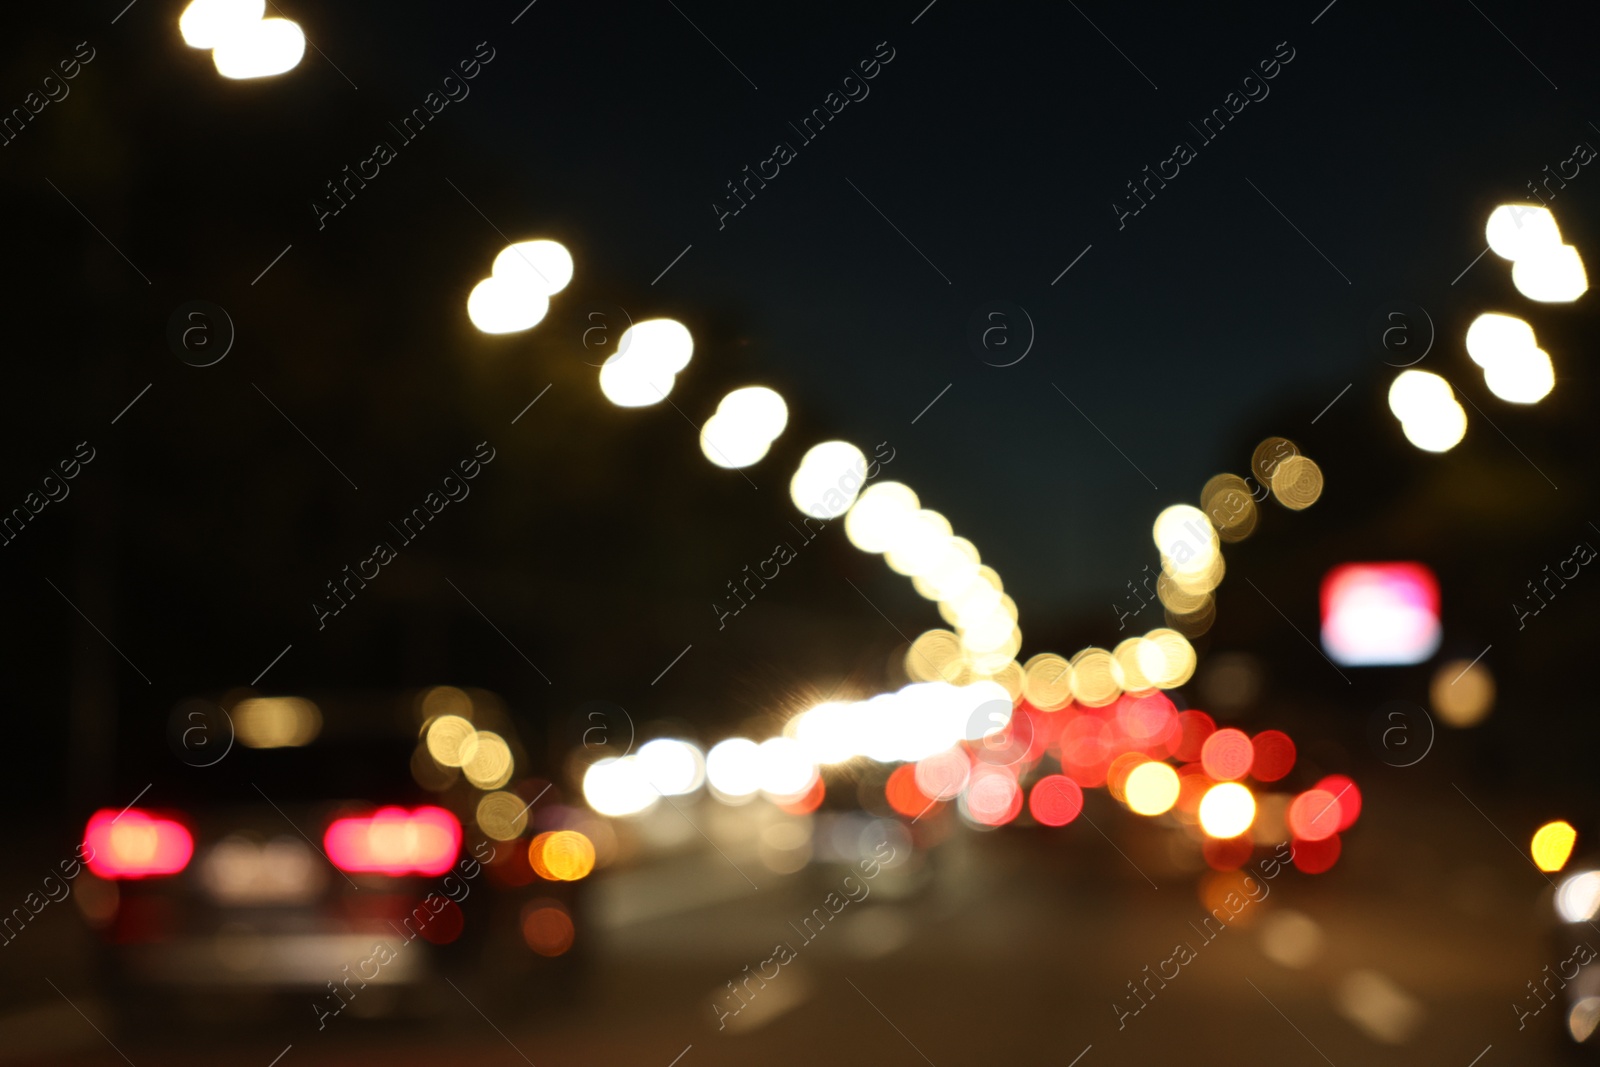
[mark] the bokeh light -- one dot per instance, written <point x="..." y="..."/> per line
<point x="1552" y="845"/>
<point x="1314" y="815"/>
<point x="491" y="764"/>
<point x="276" y="722"/>
<point x="547" y="928"/>
<point x="1551" y="275"/>
<point x="502" y="816"/>
<point x="673" y="767"/>
<point x="1227" y="755"/>
<point x="744" y="426"/>
<point x="1274" y="755"/>
<point x="452" y="740"/>
<point x="1578" y="897"/>
<point x="1429" y="414"/>
<point x="829" y="478"/>
<point x="1516" y="231"/>
<point x="1055" y="800"/>
<point x="1227" y="810"/>
<point x="561" y="855"/>
<point x="1462" y="692"/>
<point x="1151" y="788"/>
<point x="618" y="787"/>
<point x="645" y="366"/>
<point x="733" y="767"/>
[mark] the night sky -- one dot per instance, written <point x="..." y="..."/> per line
<point x="992" y="151"/>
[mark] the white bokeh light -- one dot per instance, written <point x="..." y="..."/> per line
<point x="646" y="363"/>
<point x="618" y="787"/>
<point x="1551" y="275"/>
<point x="733" y="767"/>
<point x="829" y="479"/>
<point x="746" y="423"/>
<point x="1518" y="230"/>
<point x="673" y="767"/>
<point x="269" y="47"/>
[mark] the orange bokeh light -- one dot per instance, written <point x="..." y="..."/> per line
<point x="547" y="928"/>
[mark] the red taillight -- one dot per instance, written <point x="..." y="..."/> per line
<point x="395" y="841"/>
<point x="136" y="844"/>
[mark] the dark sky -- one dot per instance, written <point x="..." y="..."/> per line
<point x="988" y="157"/>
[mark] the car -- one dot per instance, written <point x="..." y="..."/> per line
<point x="345" y="856"/>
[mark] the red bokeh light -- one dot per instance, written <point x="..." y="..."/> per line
<point x="1228" y="854"/>
<point x="1056" y="800"/>
<point x="1227" y="755"/>
<point x="993" y="798"/>
<point x="136" y="844"/>
<point x="1274" y="755"/>
<point x="1348" y="795"/>
<point x="443" y="927"/>
<point x="395" y="841"/>
<point x="1314" y="857"/>
<point x="1314" y="815"/>
<point x="902" y="793"/>
<point x="1196" y="726"/>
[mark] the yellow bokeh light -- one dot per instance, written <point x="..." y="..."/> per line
<point x="445" y="700"/>
<point x="1268" y="454"/>
<point x="1047" y="681"/>
<point x="1011" y="677"/>
<point x="561" y="856"/>
<point x="1094" y="682"/>
<point x="452" y="740"/>
<point x="1151" y="788"/>
<point x="276" y="722"/>
<point x="1186" y="538"/>
<point x="1462" y="693"/>
<point x="490" y="764"/>
<point x="1227" y="502"/>
<point x="1552" y="845"/>
<point x="502" y="816"/>
<point x="1227" y="810"/>
<point x="1127" y="672"/>
<point x="1297" y="483"/>
<point x="936" y="656"/>
<point x="1166" y="658"/>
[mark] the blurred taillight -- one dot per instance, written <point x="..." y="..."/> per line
<point x="395" y="841"/>
<point x="136" y="844"/>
